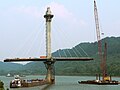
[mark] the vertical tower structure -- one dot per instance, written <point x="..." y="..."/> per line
<point x="48" y="16"/>
<point x="49" y="64"/>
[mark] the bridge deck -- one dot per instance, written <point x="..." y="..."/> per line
<point x="72" y="58"/>
<point x="54" y="59"/>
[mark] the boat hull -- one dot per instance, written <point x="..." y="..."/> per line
<point x="99" y="83"/>
<point x="29" y="83"/>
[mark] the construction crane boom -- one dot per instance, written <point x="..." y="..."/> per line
<point x="99" y="39"/>
<point x="97" y="30"/>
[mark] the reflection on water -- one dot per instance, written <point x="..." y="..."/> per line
<point x="47" y="87"/>
<point x="64" y="83"/>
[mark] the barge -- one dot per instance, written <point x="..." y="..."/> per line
<point x="107" y="80"/>
<point x="99" y="82"/>
<point x="20" y="83"/>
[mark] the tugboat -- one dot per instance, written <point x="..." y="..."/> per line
<point x="19" y="83"/>
<point x="1" y="85"/>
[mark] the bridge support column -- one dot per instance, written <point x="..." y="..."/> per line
<point x="49" y="63"/>
<point x="50" y="76"/>
<point x="48" y="16"/>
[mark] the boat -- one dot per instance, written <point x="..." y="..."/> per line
<point x="22" y="76"/>
<point x="99" y="82"/>
<point x="107" y="80"/>
<point x="9" y="75"/>
<point x="20" y="83"/>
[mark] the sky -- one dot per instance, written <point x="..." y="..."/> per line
<point x="22" y="25"/>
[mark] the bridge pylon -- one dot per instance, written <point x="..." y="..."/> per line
<point x="49" y="64"/>
<point x="48" y="16"/>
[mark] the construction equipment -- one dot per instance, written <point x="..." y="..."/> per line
<point x="103" y="57"/>
<point x="99" y="42"/>
<point x="106" y="79"/>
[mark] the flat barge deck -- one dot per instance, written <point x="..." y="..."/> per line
<point x="99" y="82"/>
<point x="20" y="83"/>
<point x="27" y="83"/>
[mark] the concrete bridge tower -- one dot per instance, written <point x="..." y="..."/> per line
<point x="49" y="63"/>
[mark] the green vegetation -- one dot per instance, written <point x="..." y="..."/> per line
<point x="92" y="67"/>
<point x="74" y="68"/>
<point x="1" y="85"/>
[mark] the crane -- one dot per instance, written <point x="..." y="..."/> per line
<point x="106" y="79"/>
<point x="102" y="57"/>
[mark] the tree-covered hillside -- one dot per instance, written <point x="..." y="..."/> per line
<point x="75" y="68"/>
<point x="93" y="67"/>
<point x="6" y="68"/>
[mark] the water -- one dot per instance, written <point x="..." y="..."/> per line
<point x="64" y="83"/>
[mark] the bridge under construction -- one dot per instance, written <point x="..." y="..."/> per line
<point x="49" y="60"/>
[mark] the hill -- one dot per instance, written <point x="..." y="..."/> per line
<point x="6" y="68"/>
<point x="93" y="67"/>
<point x="75" y="68"/>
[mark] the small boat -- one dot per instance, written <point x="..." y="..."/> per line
<point x="19" y="83"/>
<point x="9" y="75"/>
<point x="22" y="76"/>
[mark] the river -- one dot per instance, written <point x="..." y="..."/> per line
<point x="64" y="83"/>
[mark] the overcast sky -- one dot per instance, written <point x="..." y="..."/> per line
<point x="22" y="26"/>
